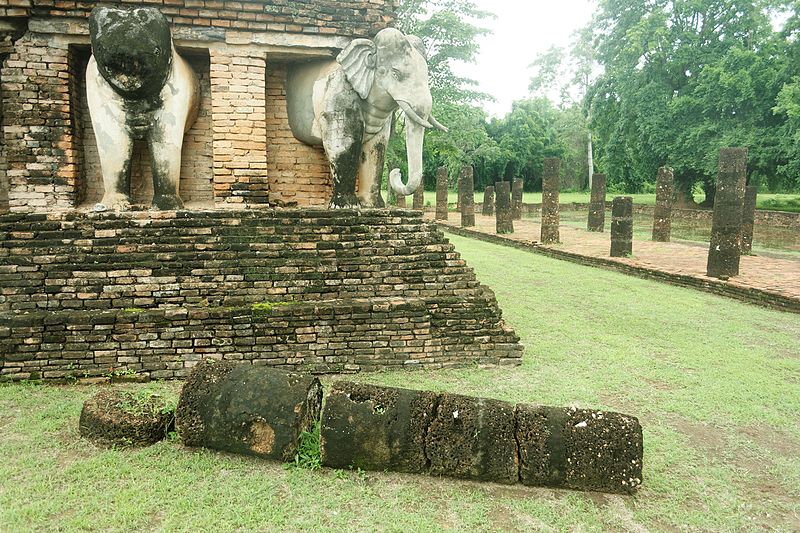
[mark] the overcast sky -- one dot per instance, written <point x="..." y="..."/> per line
<point x="522" y="30"/>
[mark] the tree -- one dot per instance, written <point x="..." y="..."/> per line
<point x="683" y="78"/>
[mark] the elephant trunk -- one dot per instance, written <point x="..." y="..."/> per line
<point x="415" y="133"/>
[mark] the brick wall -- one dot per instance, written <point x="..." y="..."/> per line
<point x="298" y="174"/>
<point x="87" y="291"/>
<point x="355" y="18"/>
<point x="41" y="154"/>
<point x="238" y="117"/>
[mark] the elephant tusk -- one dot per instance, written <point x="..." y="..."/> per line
<point x="410" y="113"/>
<point x="437" y="124"/>
<point x="396" y="181"/>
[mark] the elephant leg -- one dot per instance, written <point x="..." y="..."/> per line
<point x="114" y="143"/>
<point x="370" y="171"/>
<point x="165" y="151"/>
<point x="342" y="127"/>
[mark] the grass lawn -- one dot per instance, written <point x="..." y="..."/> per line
<point x="775" y="202"/>
<point x="714" y="382"/>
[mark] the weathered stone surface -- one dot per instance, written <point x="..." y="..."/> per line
<point x="488" y="202"/>
<point x="247" y="409"/>
<point x="579" y="449"/>
<point x="400" y="201"/>
<point x="441" y="193"/>
<point x="115" y="417"/>
<point x="376" y="428"/>
<point x="726" y="232"/>
<point x="419" y="198"/>
<point x="504" y="223"/>
<point x="665" y="195"/>
<point x="597" y="204"/>
<point x="516" y="199"/>
<point x="473" y="438"/>
<point x="466" y="194"/>
<point x="550" y="201"/>
<point x="622" y="226"/>
<point x="749" y="218"/>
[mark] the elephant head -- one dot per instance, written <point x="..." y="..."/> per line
<point x="133" y="49"/>
<point x="388" y="72"/>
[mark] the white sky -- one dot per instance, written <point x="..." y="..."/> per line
<point x="522" y="30"/>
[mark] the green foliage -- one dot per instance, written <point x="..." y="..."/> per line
<point x="308" y="450"/>
<point x="147" y="400"/>
<point x="684" y="78"/>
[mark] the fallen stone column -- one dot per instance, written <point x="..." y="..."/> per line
<point x="662" y="214"/>
<point x="419" y="198"/>
<point x="550" y="199"/>
<point x="622" y="227"/>
<point x="597" y="204"/>
<point x="516" y="199"/>
<point x="504" y="223"/>
<point x="473" y="438"/>
<point x="726" y="232"/>
<point x="749" y="218"/>
<point x="441" y="194"/>
<point x="113" y="417"/>
<point x="579" y="449"/>
<point x="488" y="202"/>
<point x="376" y="428"/>
<point x="466" y="194"/>
<point x="246" y="409"/>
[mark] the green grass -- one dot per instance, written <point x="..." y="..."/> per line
<point x="775" y="202"/>
<point x="715" y="383"/>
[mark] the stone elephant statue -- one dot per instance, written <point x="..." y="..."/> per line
<point x="346" y="106"/>
<point x="138" y="88"/>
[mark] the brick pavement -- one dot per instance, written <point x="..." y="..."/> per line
<point x="780" y="276"/>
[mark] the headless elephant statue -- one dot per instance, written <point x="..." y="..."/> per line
<point x="347" y="105"/>
<point x="138" y="89"/>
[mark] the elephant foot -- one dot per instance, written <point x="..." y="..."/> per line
<point x="113" y="202"/>
<point x="344" y="201"/>
<point x="167" y="202"/>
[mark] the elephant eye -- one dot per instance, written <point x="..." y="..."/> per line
<point x="396" y="73"/>
<point x="157" y="51"/>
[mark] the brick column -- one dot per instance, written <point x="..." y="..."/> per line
<point x="726" y="231"/>
<point x="749" y="218"/>
<point x="466" y="193"/>
<point x="622" y="226"/>
<point x="597" y="204"/>
<point x="550" y="195"/>
<point x="505" y="223"/>
<point x="441" y="194"/>
<point x="238" y="100"/>
<point x="488" y="202"/>
<point x="419" y="198"/>
<point x="662" y="215"/>
<point x="516" y="199"/>
<point x="39" y="143"/>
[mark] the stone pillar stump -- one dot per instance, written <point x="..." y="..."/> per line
<point x="516" y="199"/>
<point x="726" y="232"/>
<point x="665" y="194"/>
<point x="504" y="224"/>
<point x="597" y="204"/>
<point x="488" y="202"/>
<point x="466" y="193"/>
<point x="419" y="198"/>
<point x="400" y="201"/>
<point x="622" y="226"/>
<point x="749" y="218"/>
<point x="550" y="187"/>
<point x="441" y="194"/>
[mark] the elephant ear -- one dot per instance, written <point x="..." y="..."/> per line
<point x="418" y="45"/>
<point x="358" y="62"/>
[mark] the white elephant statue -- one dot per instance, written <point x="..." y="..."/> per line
<point x="346" y="106"/>
<point x="138" y="88"/>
